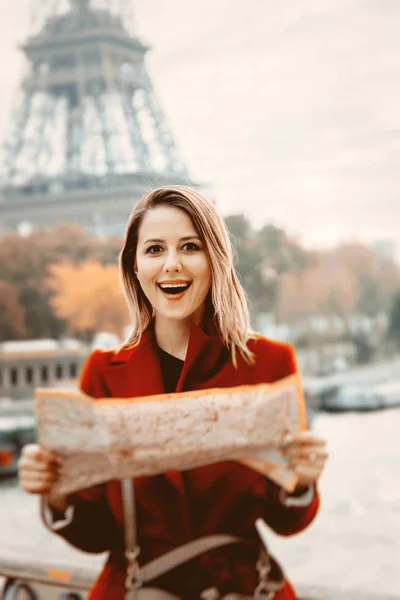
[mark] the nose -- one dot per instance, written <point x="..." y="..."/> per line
<point x="172" y="263"/>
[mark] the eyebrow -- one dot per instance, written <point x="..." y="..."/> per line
<point x="182" y="239"/>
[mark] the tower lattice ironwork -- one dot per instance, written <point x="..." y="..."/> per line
<point x="88" y="134"/>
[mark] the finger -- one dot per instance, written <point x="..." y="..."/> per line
<point x="302" y="467"/>
<point x="304" y="437"/>
<point x="32" y="471"/>
<point x="307" y="474"/>
<point x="37" y="484"/>
<point x="26" y="465"/>
<point x="27" y="461"/>
<point x="306" y="452"/>
<point x="318" y="464"/>
<point x="36" y="452"/>
<point x="44" y="478"/>
<point x="36" y="488"/>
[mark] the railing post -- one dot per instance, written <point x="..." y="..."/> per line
<point x="19" y="591"/>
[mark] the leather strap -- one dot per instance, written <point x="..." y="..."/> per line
<point x="178" y="556"/>
<point x="128" y="501"/>
<point x="174" y="558"/>
<point x="157" y="594"/>
<point x="130" y="532"/>
<point x="154" y="594"/>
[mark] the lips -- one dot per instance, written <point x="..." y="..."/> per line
<point x="175" y="287"/>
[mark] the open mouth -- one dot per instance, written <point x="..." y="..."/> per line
<point x="172" y="289"/>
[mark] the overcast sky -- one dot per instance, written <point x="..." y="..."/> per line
<point x="289" y="110"/>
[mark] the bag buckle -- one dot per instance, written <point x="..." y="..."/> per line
<point x="133" y="576"/>
<point x="263" y="590"/>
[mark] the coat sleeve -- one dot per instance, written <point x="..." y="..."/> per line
<point x="91" y="526"/>
<point x="288" y="520"/>
<point x="283" y="519"/>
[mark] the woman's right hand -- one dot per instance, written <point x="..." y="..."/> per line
<point x="38" y="471"/>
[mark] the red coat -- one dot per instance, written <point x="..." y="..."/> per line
<point x="176" y="507"/>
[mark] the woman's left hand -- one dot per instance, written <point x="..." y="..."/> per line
<point x="307" y="454"/>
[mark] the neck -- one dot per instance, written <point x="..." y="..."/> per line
<point x="172" y="336"/>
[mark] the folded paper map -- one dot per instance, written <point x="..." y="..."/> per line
<point x="106" y="439"/>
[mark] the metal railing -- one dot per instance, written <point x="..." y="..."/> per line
<point x="30" y="578"/>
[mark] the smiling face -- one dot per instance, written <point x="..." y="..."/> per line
<point x="171" y="264"/>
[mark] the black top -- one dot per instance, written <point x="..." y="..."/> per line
<point x="171" y="369"/>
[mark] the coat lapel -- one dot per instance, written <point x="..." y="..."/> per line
<point x="198" y="341"/>
<point x="136" y="372"/>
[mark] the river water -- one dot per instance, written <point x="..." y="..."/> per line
<point x="354" y="543"/>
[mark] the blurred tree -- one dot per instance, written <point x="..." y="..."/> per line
<point x="262" y="257"/>
<point x="279" y="255"/>
<point x="110" y="250"/>
<point x="364" y="348"/>
<point x="22" y="265"/>
<point x="394" y="321"/>
<point x="280" y="252"/>
<point x="377" y="277"/>
<point x="348" y="279"/>
<point x="66" y="241"/>
<point x="88" y="296"/>
<point x="11" y="313"/>
<point x="247" y="256"/>
<point x="248" y="265"/>
<point x="371" y="298"/>
<point x="40" y="320"/>
<point x="317" y="290"/>
<point x="278" y="274"/>
<point x="24" y="262"/>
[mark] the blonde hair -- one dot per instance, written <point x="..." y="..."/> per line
<point x="227" y="301"/>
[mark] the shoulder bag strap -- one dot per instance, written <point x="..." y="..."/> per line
<point x="178" y="556"/>
<point x="136" y="575"/>
<point x="133" y="580"/>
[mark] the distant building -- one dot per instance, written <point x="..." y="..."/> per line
<point x="26" y="365"/>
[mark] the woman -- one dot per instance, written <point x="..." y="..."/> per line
<point x="190" y="332"/>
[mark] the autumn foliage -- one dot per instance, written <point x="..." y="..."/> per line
<point x="12" y="315"/>
<point x="316" y="290"/>
<point x="25" y="306"/>
<point x="348" y="279"/>
<point x="61" y="280"/>
<point x="88" y="296"/>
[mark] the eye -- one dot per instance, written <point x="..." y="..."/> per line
<point x="191" y="247"/>
<point x="156" y="249"/>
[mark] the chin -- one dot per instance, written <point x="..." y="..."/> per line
<point x="179" y="314"/>
<point x="175" y="315"/>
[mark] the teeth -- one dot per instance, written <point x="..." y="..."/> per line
<point x="173" y="285"/>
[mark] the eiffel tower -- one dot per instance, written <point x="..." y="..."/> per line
<point x="88" y="135"/>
